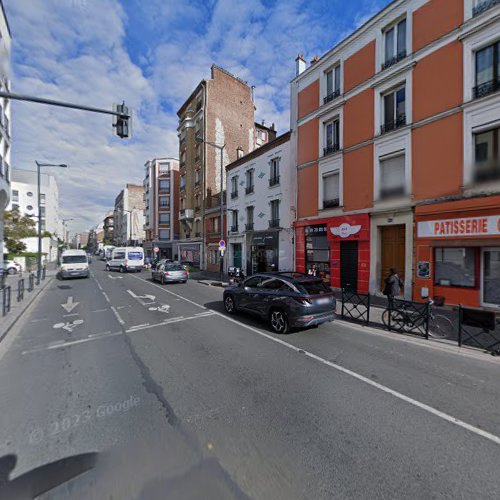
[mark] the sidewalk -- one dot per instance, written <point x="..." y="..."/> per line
<point x="17" y="308"/>
<point x="209" y="278"/>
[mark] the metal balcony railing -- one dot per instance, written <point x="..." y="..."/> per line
<point x="249" y="189"/>
<point x="274" y="180"/>
<point x="484" y="6"/>
<point x="486" y="88"/>
<point x="274" y="223"/>
<point x="332" y="148"/>
<point x="331" y="96"/>
<point x="234" y="194"/>
<point x="249" y="226"/>
<point x="334" y="202"/>
<point x="393" y="60"/>
<point x="234" y="229"/>
<point x="393" y="124"/>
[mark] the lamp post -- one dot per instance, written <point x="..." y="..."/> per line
<point x="38" y="166"/>
<point x="221" y="149"/>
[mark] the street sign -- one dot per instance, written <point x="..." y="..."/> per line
<point x="156" y="249"/>
<point x="222" y="244"/>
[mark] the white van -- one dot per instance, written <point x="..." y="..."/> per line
<point x="74" y="264"/>
<point x="126" y="259"/>
<point x="106" y="252"/>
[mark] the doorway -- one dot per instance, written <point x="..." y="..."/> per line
<point x="237" y="255"/>
<point x="393" y="251"/>
<point x="491" y="277"/>
<point x="349" y="265"/>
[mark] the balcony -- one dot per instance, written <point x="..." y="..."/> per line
<point x="273" y="181"/>
<point x="186" y="214"/>
<point x="484" y="6"/>
<point x="332" y="148"/>
<point x="486" y="88"/>
<point x="197" y="183"/>
<point x="234" y="194"/>
<point x="182" y="188"/>
<point x="249" y="189"/>
<point x="197" y="234"/>
<point x="331" y="96"/>
<point x="249" y="226"/>
<point x="234" y="228"/>
<point x="274" y="223"/>
<point x="335" y="202"/>
<point x="391" y="192"/>
<point x="393" y="124"/>
<point x="394" y="60"/>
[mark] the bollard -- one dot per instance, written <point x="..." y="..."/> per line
<point x="20" y="290"/>
<point x="44" y="272"/>
<point x="6" y="300"/>
<point x="31" y="282"/>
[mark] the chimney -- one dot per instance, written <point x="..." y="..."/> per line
<point x="239" y="152"/>
<point x="314" y="60"/>
<point x="300" y="64"/>
<point x="253" y="92"/>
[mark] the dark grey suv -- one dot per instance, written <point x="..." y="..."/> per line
<point x="286" y="300"/>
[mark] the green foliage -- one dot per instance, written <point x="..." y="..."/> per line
<point x="46" y="234"/>
<point x="17" y="227"/>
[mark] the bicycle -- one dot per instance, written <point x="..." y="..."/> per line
<point x="440" y="326"/>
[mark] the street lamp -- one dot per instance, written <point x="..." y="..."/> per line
<point x="38" y="166"/>
<point x="221" y="149"/>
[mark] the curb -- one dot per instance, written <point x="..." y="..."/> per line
<point x="23" y="310"/>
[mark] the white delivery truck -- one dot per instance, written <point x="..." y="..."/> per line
<point x="74" y="264"/>
<point x="126" y="259"/>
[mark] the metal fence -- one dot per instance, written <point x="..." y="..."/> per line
<point x="20" y="289"/>
<point x="479" y="328"/>
<point x="355" y="306"/>
<point x="404" y="316"/>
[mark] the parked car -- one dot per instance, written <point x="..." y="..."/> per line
<point x="285" y="300"/>
<point x="169" y="272"/>
<point x="12" y="267"/>
<point x="74" y="264"/>
<point x="126" y="259"/>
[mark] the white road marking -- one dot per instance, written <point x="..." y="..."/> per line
<point x="118" y="317"/>
<point x="70" y="315"/>
<point x="139" y="326"/>
<point x="70" y="326"/>
<point x="142" y="298"/>
<point x="41" y="319"/>
<point x="92" y="335"/>
<point x="164" y="308"/>
<point x="63" y="345"/>
<point x="115" y="277"/>
<point x="69" y="305"/>
<point x="99" y="310"/>
<point x="429" y="409"/>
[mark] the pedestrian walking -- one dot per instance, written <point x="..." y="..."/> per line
<point x="393" y="285"/>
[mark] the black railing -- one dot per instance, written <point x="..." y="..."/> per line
<point x="182" y="188"/>
<point x="331" y="96"/>
<point x="274" y="180"/>
<point x="197" y="183"/>
<point x="182" y="211"/>
<point x="335" y="202"/>
<point x="6" y="293"/>
<point x="393" y="60"/>
<point x="355" y="306"/>
<point x="486" y="88"/>
<point x="477" y="328"/>
<point x="332" y="148"/>
<point x="400" y="121"/>
<point x="484" y="6"/>
<point x="409" y="317"/>
<point x="20" y="290"/>
<point x="249" y="226"/>
<point x="491" y="173"/>
<point x="274" y="223"/>
<point x="249" y="189"/>
<point x="234" y="229"/>
<point x="392" y="192"/>
<point x="234" y="194"/>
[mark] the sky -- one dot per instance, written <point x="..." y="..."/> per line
<point x="151" y="54"/>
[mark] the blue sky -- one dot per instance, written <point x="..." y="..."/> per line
<point x="151" y="53"/>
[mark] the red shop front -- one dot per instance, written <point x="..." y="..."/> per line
<point x="337" y="248"/>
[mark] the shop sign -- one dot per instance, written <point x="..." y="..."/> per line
<point x="345" y="230"/>
<point x="265" y="239"/>
<point x="466" y="226"/>
<point x="315" y="230"/>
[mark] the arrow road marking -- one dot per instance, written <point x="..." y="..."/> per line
<point x="143" y="298"/>
<point x="115" y="277"/>
<point x="70" y="305"/>
<point x="164" y="308"/>
<point x="69" y="327"/>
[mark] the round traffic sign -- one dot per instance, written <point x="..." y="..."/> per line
<point x="222" y="243"/>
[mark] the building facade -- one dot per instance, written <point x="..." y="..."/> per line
<point x="219" y="112"/>
<point x="108" y="228"/>
<point x="161" y="211"/>
<point x="260" y="209"/>
<point x="394" y="132"/>
<point x="5" y="139"/>
<point x="128" y="216"/>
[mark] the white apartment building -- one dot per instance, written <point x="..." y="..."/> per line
<point x="5" y="140"/>
<point x="161" y="206"/>
<point x="129" y="216"/>
<point x="25" y="198"/>
<point x="261" y="209"/>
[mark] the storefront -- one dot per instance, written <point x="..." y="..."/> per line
<point x="189" y="253"/>
<point x="264" y="252"/>
<point x="336" y="249"/>
<point x="457" y="252"/>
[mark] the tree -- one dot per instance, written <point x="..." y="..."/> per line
<point x="46" y="234"/>
<point x="17" y="227"/>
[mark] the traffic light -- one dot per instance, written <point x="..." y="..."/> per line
<point x="122" y="124"/>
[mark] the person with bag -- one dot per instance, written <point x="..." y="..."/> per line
<point x="393" y="285"/>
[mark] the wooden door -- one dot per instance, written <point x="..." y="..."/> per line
<point x="392" y="251"/>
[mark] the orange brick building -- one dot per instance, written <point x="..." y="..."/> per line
<point x="396" y="134"/>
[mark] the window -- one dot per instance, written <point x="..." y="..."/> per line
<point x="253" y="282"/>
<point x="164" y="168"/>
<point x="15" y="195"/>
<point x="183" y="136"/>
<point x="392" y="177"/>
<point x="216" y="224"/>
<point x="29" y="193"/>
<point x="197" y="176"/>
<point x="487" y="155"/>
<point x="332" y="137"/>
<point x="213" y="256"/>
<point x="249" y="179"/>
<point x="487" y="70"/>
<point x="274" y="175"/>
<point x="164" y="234"/>
<point x="234" y="187"/>
<point x="455" y="267"/>
<point x="198" y="151"/>
<point x="332" y="84"/>
<point x="164" y="218"/>
<point x="270" y="284"/>
<point x="331" y="186"/>
<point x="239" y="153"/>
<point x="42" y="211"/>
<point x="318" y="251"/>
<point x="394" y="43"/>
<point x="197" y="202"/>
<point x="15" y="207"/>
<point x="249" y="224"/>
<point x="164" y="201"/>
<point x="42" y="198"/>
<point x="275" y="213"/>
<point x="234" y="223"/>
<point x="164" y="185"/>
<point x="394" y="110"/>
<point x="182" y="186"/>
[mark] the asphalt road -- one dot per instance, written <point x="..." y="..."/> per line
<point x="181" y="401"/>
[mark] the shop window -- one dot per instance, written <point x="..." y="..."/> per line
<point x="331" y="197"/>
<point x="487" y="70"/>
<point x="392" y="177"/>
<point x="318" y="251"/>
<point x="455" y="267"/>
<point x="394" y="110"/>
<point x="487" y="155"/>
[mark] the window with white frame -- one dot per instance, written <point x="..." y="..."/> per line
<point x="164" y="218"/>
<point x="331" y="190"/>
<point x="332" y="83"/>
<point x="487" y="155"/>
<point x="274" y="174"/>
<point x="394" y="43"/>
<point x="394" y="104"/>
<point x="164" y="201"/>
<point x="392" y="176"/>
<point x="164" y="168"/>
<point x="234" y="221"/>
<point x="15" y="195"/>
<point x="42" y="198"/>
<point x="487" y="70"/>
<point x="234" y="186"/>
<point x="332" y="136"/>
<point x="164" y="185"/>
<point x="249" y="181"/>
<point x="249" y="224"/>
<point x="164" y="234"/>
<point x="275" y="213"/>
